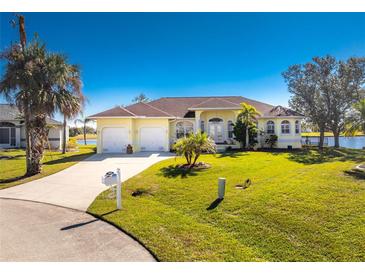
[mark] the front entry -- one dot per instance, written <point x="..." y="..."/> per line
<point x="216" y="130"/>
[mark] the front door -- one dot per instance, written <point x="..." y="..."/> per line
<point x="216" y="130"/>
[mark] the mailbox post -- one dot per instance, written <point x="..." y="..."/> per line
<point x="119" y="190"/>
<point x="112" y="179"/>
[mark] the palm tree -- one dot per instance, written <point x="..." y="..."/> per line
<point x="84" y="122"/>
<point x="40" y="84"/>
<point x="356" y="121"/>
<point x="247" y="116"/>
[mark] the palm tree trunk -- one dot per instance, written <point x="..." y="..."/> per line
<point x="84" y="133"/>
<point x="247" y="140"/>
<point x="28" y="155"/>
<point x="64" y="135"/>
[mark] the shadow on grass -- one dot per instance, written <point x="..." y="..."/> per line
<point x="175" y="171"/>
<point x="11" y="157"/>
<point x="232" y="154"/>
<point x="214" y="204"/>
<point x="315" y="156"/>
<point x="72" y="158"/>
<point x="88" y="222"/>
<point x="10" y="180"/>
<point x="357" y="174"/>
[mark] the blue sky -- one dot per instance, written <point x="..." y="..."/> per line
<point x="189" y="54"/>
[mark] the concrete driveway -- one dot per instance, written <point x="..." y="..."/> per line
<point x="33" y="231"/>
<point x="77" y="186"/>
<point x="48" y="222"/>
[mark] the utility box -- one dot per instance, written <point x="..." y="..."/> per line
<point x="221" y="187"/>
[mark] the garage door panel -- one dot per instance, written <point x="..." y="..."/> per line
<point x="152" y="139"/>
<point x="115" y="139"/>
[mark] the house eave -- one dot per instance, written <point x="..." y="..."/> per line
<point x="220" y="108"/>
<point x="286" y="117"/>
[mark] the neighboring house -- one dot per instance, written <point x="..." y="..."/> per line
<point x="12" y="129"/>
<point x="156" y="125"/>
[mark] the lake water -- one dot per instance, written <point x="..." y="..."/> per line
<point x="348" y="142"/>
<point x="88" y="142"/>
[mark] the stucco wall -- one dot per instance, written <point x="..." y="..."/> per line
<point x="55" y="136"/>
<point x="284" y="140"/>
<point x="226" y="115"/>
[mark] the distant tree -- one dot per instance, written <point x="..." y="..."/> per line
<point x="141" y="98"/>
<point x="84" y="122"/>
<point x="324" y="91"/>
<point x="240" y="130"/>
<point x="356" y="120"/>
<point x="246" y="121"/>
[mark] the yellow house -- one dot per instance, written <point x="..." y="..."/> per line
<point x="156" y="125"/>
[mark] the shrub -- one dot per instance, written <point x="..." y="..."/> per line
<point x="72" y="143"/>
<point x="271" y="140"/>
<point x="192" y="146"/>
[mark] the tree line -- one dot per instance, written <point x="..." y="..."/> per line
<point x="330" y="94"/>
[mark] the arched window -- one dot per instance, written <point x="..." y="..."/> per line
<point x="230" y="126"/>
<point x="297" y="127"/>
<point x="7" y="133"/>
<point x="215" y="120"/>
<point x="183" y="129"/>
<point x="270" y="127"/>
<point x="285" y="127"/>
<point x="6" y="124"/>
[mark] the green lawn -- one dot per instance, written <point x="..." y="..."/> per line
<point x="301" y="206"/>
<point x="12" y="170"/>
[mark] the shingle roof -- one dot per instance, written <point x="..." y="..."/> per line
<point x="179" y="107"/>
<point x="11" y="113"/>
<point x="282" y="111"/>
<point x="118" y="111"/>
<point x="148" y="110"/>
<point x="216" y="103"/>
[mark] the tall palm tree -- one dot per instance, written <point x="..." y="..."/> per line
<point x="40" y="84"/>
<point x="84" y="122"/>
<point x="356" y="121"/>
<point x="247" y="116"/>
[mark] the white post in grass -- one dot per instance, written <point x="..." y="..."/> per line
<point x="119" y="190"/>
<point x="221" y="187"/>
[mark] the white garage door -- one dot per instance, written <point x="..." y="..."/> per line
<point x="152" y="139"/>
<point x="115" y="140"/>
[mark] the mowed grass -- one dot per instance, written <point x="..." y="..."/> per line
<point x="12" y="170"/>
<point x="301" y="206"/>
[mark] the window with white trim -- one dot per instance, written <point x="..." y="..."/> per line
<point x="285" y="127"/>
<point x="270" y="127"/>
<point x="297" y="127"/>
<point x="183" y="129"/>
<point x="230" y="126"/>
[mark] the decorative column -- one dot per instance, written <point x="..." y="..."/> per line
<point x="197" y="120"/>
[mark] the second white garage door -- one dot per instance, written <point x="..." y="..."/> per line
<point x="115" y="139"/>
<point x="152" y="139"/>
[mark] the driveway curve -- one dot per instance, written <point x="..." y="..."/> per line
<point x="76" y="187"/>
<point x="32" y="231"/>
<point x="45" y="220"/>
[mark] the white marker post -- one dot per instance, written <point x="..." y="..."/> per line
<point x="119" y="190"/>
<point x="221" y="188"/>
